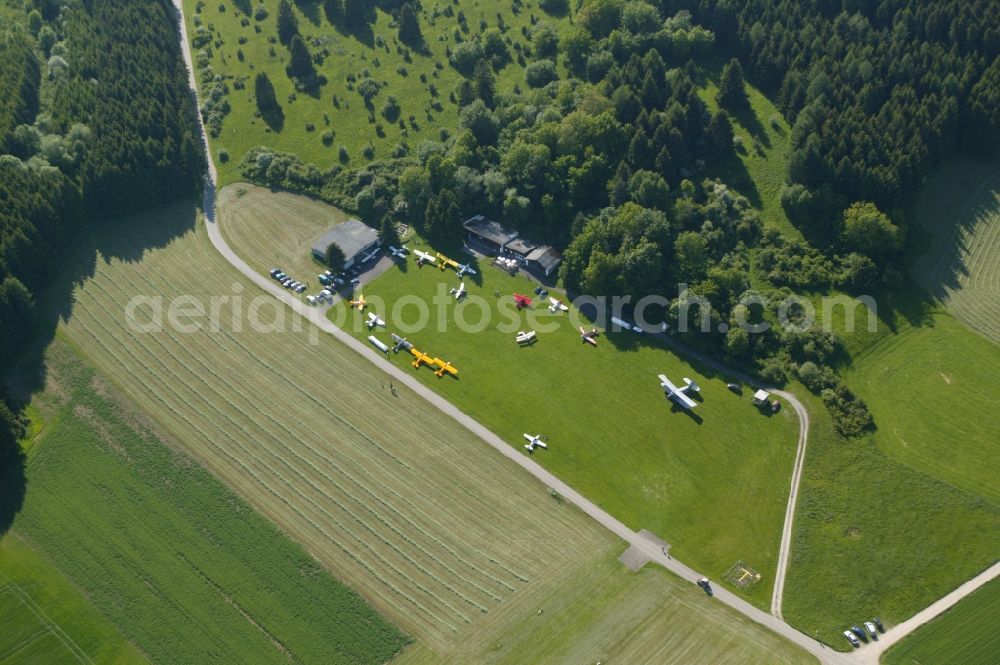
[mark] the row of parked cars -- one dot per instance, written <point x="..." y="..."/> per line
<point x="287" y="281"/>
<point x="873" y="627"/>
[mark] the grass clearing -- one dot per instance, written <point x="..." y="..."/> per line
<point x="349" y="53"/>
<point x="46" y="619"/>
<point x="759" y="169"/>
<point x="666" y="474"/>
<point x="165" y="552"/>
<point x="959" y="210"/>
<point x="877" y="537"/>
<point x="964" y="635"/>
<point x="435" y="529"/>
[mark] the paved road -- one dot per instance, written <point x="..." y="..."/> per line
<point x="651" y="550"/>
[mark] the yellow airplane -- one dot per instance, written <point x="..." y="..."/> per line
<point x="460" y="268"/>
<point x="444" y="367"/>
<point x="359" y="302"/>
<point x="421" y="357"/>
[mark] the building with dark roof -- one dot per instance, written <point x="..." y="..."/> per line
<point x="353" y="237"/>
<point x="544" y="259"/>
<point x="484" y="231"/>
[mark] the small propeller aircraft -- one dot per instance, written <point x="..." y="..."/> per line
<point x="460" y="268"/>
<point x="534" y="442"/>
<point x="589" y="336"/>
<point x="359" y="302"/>
<point x="526" y="337"/>
<point x="370" y="255"/>
<point x="557" y="305"/>
<point x="459" y="292"/>
<point x="680" y="395"/>
<point x="374" y="320"/>
<point x="522" y="301"/>
<point x="399" y="252"/>
<point x="424" y="257"/>
<point x="400" y="343"/>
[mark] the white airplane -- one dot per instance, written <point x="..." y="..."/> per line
<point x="557" y="305"/>
<point x="465" y="268"/>
<point x="374" y="320"/>
<point x="680" y="395"/>
<point x="424" y="257"/>
<point x="523" y="337"/>
<point x="534" y="442"/>
<point x="459" y="292"/>
<point x="399" y="252"/>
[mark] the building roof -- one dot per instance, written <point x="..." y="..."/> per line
<point x="351" y="236"/>
<point x="546" y="256"/>
<point x="488" y="229"/>
<point x="761" y="395"/>
<point x="521" y="246"/>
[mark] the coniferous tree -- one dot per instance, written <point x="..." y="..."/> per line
<point x="334" y="10"/>
<point x="732" y="87"/>
<point x="482" y="83"/>
<point x="267" y="103"/>
<point x="409" y="26"/>
<point x="355" y="13"/>
<point x="300" y="64"/>
<point x="288" y="25"/>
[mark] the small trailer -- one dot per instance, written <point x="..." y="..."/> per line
<point x="378" y="344"/>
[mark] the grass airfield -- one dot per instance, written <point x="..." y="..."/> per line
<point x="444" y="537"/>
<point x="612" y="433"/>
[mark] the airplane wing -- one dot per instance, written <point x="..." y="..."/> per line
<point x="684" y="400"/>
<point x="667" y="384"/>
<point x="529" y="437"/>
<point x="461" y="289"/>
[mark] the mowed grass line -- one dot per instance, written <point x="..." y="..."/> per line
<point x="168" y="372"/>
<point x="36" y="597"/>
<point x="964" y="635"/>
<point x="594" y="404"/>
<point x="606" y="613"/>
<point x="349" y="54"/>
<point x="182" y="567"/>
<point x="959" y="209"/>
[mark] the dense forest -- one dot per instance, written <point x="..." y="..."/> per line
<point x="95" y="120"/>
<point x="879" y="91"/>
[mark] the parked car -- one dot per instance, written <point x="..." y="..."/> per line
<point x="279" y="275"/>
<point x="735" y="387"/>
<point x="339" y="281"/>
<point x="274" y="272"/>
<point x="300" y="288"/>
<point x="355" y="280"/>
<point x="324" y="279"/>
<point x="285" y="281"/>
<point x="850" y="638"/>
<point x="860" y="633"/>
<point x="311" y="300"/>
<point x="870" y="627"/>
<point x="878" y="623"/>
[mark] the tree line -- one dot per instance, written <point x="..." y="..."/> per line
<point x="95" y="120"/>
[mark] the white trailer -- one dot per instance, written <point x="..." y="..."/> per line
<point x="378" y="344"/>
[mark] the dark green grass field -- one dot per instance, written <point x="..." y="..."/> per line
<point x="713" y="482"/>
<point x="967" y="634"/>
<point x="372" y="51"/>
<point x="46" y="619"/>
<point x="187" y="572"/>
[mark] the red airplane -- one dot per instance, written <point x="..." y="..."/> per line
<point x="522" y="301"/>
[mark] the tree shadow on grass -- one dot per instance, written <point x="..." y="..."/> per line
<point x="275" y="119"/>
<point x="733" y="172"/>
<point x="126" y="238"/>
<point x="13" y="485"/>
<point x="310" y="9"/>
<point x="748" y="119"/>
